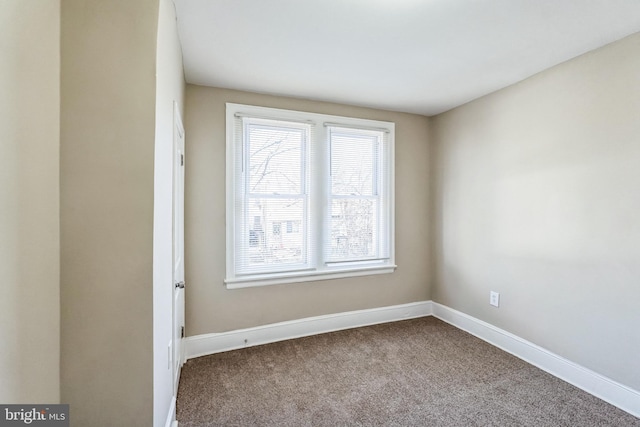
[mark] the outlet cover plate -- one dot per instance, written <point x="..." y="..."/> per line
<point x="494" y="299"/>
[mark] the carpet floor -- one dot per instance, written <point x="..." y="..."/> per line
<point x="420" y="372"/>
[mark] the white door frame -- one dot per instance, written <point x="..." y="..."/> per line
<point x="177" y="306"/>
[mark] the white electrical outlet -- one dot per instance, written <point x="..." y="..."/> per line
<point x="494" y="299"/>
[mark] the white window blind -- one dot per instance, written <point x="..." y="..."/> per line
<point x="358" y="205"/>
<point x="273" y="186"/>
<point x="309" y="196"/>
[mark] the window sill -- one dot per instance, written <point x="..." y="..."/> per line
<point x="308" y="276"/>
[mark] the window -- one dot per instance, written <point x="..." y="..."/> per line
<point x="309" y="196"/>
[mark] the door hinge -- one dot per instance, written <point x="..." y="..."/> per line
<point x="181" y="159"/>
<point x="182" y="332"/>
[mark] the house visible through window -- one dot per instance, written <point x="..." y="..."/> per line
<point x="310" y="196"/>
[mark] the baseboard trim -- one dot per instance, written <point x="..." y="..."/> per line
<point x="598" y="385"/>
<point x="202" y="345"/>
<point x="171" y="416"/>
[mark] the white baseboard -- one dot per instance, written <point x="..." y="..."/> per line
<point x="600" y="386"/>
<point x="171" y="416"/>
<point x="202" y="345"/>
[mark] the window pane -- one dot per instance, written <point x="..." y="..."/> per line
<point x="352" y="164"/>
<point x="353" y="229"/>
<point x="270" y="243"/>
<point x="275" y="159"/>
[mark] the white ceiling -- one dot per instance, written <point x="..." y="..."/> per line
<point x="418" y="56"/>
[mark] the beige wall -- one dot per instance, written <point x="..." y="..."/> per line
<point x="213" y="308"/>
<point x="538" y="198"/>
<point x="108" y="91"/>
<point x="29" y="210"/>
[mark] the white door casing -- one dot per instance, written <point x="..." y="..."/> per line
<point x="178" y="247"/>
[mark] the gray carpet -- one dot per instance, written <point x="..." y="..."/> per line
<point x="420" y="372"/>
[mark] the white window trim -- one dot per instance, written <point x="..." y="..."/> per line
<point x="322" y="270"/>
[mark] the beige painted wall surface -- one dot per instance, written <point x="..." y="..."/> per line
<point x="29" y="207"/>
<point x="213" y="308"/>
<point x="538" y="198"/>
<point x="108" y="91"/>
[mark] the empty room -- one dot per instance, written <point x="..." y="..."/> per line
<point x="305" y="213"/>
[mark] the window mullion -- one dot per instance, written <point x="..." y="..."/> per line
<point x="321" y="174"/>
<point x="379" y="191"/>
